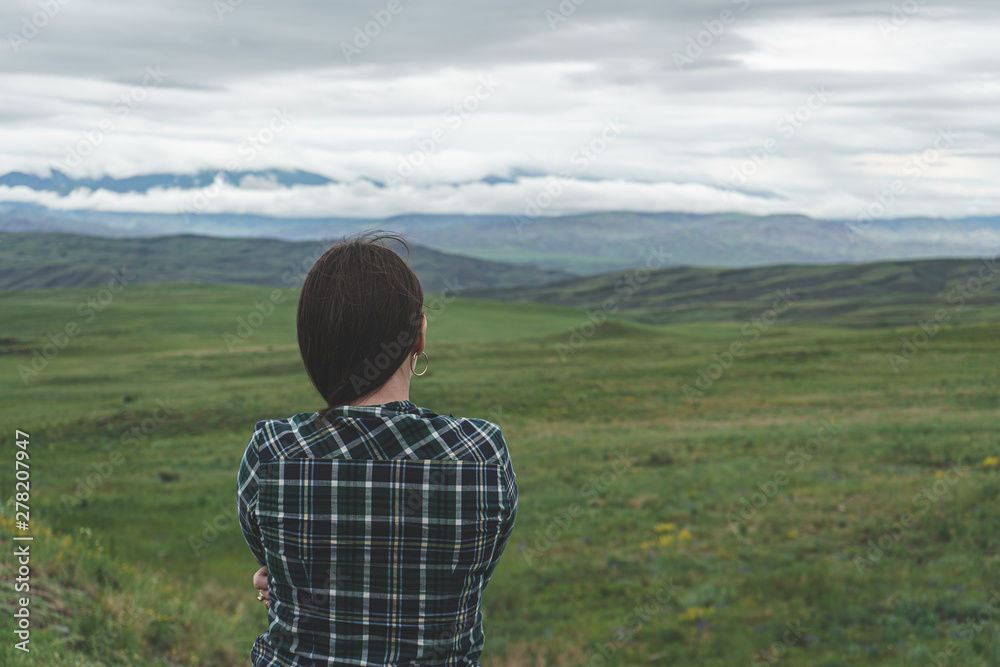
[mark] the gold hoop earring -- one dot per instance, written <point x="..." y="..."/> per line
<point x="413" y="364"/>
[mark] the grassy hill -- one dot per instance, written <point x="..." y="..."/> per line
<point x="36" y="260"/>
<point x="769" y="498"/>
<point x="875" y="294"/>
<point x="857" y="295"/>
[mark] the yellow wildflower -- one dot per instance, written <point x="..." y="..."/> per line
<point x="793" y="534"/>
<point x="664" y="527"/>
<point x="685" y="534"/>
<point x="695" y="613"/>
<point x="991" y="461"/>
<point x="666" y="540"/>
<point x="938" y="474"/>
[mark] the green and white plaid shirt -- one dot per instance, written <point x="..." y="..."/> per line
<point x="380" y="531"/>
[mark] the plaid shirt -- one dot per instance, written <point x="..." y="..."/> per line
<point x="380" y="531"/>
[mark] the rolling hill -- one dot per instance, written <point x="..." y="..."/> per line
<point x="38" y="260"/>
<point x="855" y="295"/>
<point x="862" y="295"/>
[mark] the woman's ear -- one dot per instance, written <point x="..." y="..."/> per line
<point x="418" y="347"/>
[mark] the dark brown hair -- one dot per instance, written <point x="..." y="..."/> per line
<point x="360" y="313"/>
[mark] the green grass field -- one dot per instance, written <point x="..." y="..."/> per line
<point x="799" y="503"/>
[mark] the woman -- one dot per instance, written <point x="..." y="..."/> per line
<point x="377" y="523"/>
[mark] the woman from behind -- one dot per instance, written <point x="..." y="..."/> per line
<point x="377" y="523"/>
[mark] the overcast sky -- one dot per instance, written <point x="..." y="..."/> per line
<point x="757" y="106"/>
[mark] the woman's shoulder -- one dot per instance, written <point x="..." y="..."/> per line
<point x="480" y="438"/>
<point x="400" y="430"/>
<point x="468" y="425"/>
<point x="407" y="411"/>
<point x="280" y="436"/>
<point x="427" y="434"/>
<point x="484" y="425"/>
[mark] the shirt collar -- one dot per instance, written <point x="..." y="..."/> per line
<point x="381" y="410"/>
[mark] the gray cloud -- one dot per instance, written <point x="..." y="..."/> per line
<point x="894" y="85"/>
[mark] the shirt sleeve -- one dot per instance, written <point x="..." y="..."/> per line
<point x="509" y="509"/>
<point x="246" y="499"/>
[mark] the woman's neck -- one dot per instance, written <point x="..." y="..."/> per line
<point x="396" y="389"/>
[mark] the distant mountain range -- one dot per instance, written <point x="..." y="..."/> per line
<point x="40" y="260"/>
<point x="63" y="184"/>
<point x="584" y="244"/>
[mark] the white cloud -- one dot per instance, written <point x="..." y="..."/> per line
<point x="366" y="200"/>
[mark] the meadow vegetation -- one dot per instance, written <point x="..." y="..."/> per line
<point x="798" y="499"/>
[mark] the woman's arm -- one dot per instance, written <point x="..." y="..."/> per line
<point x="246" y="500"/>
